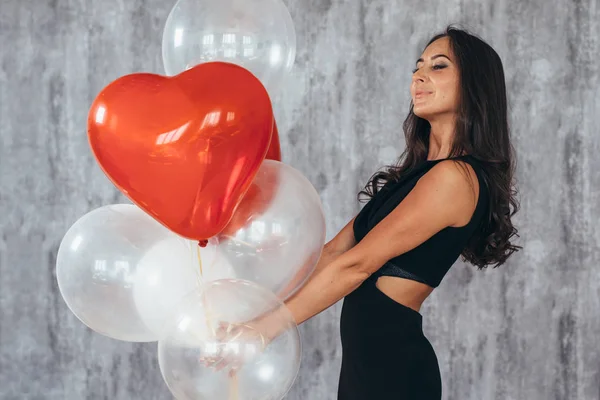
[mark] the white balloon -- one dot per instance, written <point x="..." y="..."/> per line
<point x="277" y="233"/>
<point x="166" y="273"/>
<point x="120" y="271"/>
<point x="263" y="373"/>
<point x="258" y="35"/>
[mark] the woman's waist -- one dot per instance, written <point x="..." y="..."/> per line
<point x="369" y="305"/>
<point x="404" y="291"/>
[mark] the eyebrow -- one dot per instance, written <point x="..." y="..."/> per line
<point x="433" y="58"/>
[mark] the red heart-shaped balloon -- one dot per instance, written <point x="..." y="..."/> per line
<point x="274" y="152"/>
<point x="183" y="148"/>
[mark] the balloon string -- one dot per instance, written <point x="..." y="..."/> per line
<point x="233" y="380"/>
<point x="234" y="385"/>
<point x="199" y="260"/>
<point x="206" y="305"/>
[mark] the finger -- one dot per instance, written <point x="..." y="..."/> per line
<point x="209" y="360"/>
<point x="221" y="364"/>
<point x="230" y="327"/>
<point x="230" y="360"/>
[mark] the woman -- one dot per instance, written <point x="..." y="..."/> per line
<point x="451" y="194"/>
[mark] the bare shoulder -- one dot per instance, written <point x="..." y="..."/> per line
<point x="451" y="172"/>
<point x="460" y="179"/>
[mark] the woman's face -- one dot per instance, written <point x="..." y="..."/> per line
<point x="435" y="83"/>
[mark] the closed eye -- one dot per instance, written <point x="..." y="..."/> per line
<point x="435" y="67"/>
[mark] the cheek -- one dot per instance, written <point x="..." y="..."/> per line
<point x="449" y="92"/>
<point x="447" y="85"/>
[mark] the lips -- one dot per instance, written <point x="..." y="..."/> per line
<point x="421" y="96"/>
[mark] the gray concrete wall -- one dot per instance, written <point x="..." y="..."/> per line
<point x="526" y="331"/>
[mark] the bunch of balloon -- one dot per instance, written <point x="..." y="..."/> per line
<point x="220" y="231"/>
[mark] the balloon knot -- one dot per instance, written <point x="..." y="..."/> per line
<point x="203" y="243"/>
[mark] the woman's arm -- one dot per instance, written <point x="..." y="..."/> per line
<point x="441" y="198"/>
<point x="341" y="243"/>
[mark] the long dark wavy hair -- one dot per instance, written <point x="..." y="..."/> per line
<point x="482" y="131"/>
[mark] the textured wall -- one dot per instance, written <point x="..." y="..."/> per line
<point x="526" y="331"/>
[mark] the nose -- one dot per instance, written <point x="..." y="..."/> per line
<point x="417" y="80"/>
<point x="418" y="77"/>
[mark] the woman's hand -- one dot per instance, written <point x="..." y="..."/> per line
<point x="234" y="344"/>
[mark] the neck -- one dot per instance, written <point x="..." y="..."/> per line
<point x="441" y="137"/>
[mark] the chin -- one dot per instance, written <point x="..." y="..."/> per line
<point x="429" y="113"/>
<point x="423" y="113"/>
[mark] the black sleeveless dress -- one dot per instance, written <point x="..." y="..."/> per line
<point x="385" y="353"/>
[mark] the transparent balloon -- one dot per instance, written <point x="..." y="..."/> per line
<point x="120" y="271"/>
<point x="277" y="233"/>
<point x="259" y="372"/>
<point x="170" y="269"/>
<point x="258" y="35"/>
